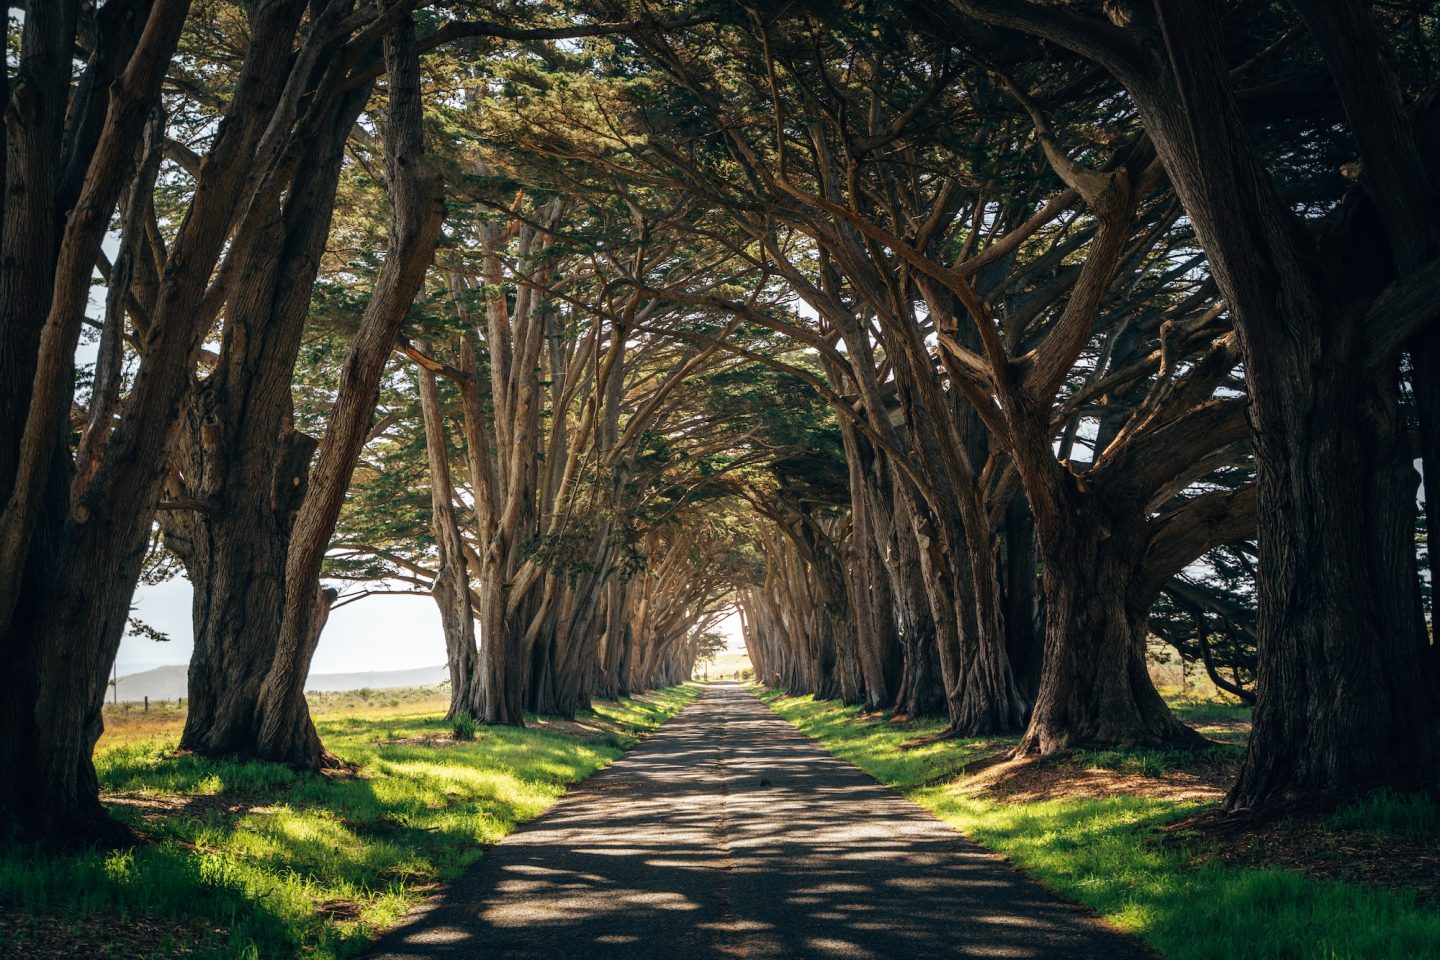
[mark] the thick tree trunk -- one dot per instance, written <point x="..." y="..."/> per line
<point x="1095" y="689"/>
<point x="956" y="543"/>
<point x="462" y="655"/>
<point x="29" y="238"/>
<point x="68" y="569"/>
<point x="235" y="561"/>
<point x="50" y="708"/>
<point x="877" y="647"/>
<point x="503" y="667"/>
<point x="284" y="731"/>
<point x="922" y="691"/>
<point x="618" y="642"/>
<point x="991" y="702"/>
<point x="1425" y="363"/>
<point x="241" y="458"/>
<point x="1341" y="706"/>
<point x="876" y="650"/>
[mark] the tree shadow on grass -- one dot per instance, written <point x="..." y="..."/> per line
<point x="264" y="861"/>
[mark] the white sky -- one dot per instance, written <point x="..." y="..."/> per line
<point x="377" y="633"/>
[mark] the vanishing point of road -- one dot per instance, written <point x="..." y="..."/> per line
<point x="728" y="834"/>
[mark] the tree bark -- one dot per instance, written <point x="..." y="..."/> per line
<point x="241" y="456"/>
<point x="284" y="731"/>
<point x="1024" y="634"/>
<point x="1095" y="688"/>
<point x="451" y="589"/>
<point x="1341" y="706"/>
<point x="57" y="628"/>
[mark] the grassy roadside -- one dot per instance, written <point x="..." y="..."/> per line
<point x="251" y="860"/>
<point x="1109" y="853"/>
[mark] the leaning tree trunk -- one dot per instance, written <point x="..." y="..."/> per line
<point x="284" y="730"/>
<point x="34" y="214"/>
<point x="83" y="563"/>
<point x="245" y="468"/>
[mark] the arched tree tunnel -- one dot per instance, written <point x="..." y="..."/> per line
<point x="973" y="353"/>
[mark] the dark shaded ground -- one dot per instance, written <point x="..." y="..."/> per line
<point x="1321" y="850"/>
<point x="25" y="937"/>
<point x="729" y="834"/>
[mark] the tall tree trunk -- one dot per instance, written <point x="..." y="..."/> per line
<point x="243" y="462"/>
<point x="451" y="589"/>
<point x="922" y="691"/>
<point x="1340" y="704"/>
<point x="1024" y="638"/>
<point x="1425" y="364"/>
<point x="29" y="242"/>
<point x="284" y="730"/>
<point x="76" y="562"/>
<point x="877" y="652"/>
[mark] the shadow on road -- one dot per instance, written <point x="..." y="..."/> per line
<point x="728" y="834"/>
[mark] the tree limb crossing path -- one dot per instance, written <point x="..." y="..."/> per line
<point x="728" y="834"/>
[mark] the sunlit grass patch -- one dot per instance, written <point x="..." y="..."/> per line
<point x="255" y="860"/>
<point x="1109" y="853"/>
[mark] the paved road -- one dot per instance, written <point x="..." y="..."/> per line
<point x="727" y="834"/>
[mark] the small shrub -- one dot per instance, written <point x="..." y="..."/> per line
<point x="464" y="728"/>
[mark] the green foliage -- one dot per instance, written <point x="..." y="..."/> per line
<point x="708" y="646"/>
<point x="266" y="862"/>
<point x="1106" y="853"/>
<point x="464" y="728"/>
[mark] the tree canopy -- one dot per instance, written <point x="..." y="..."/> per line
<point x="971" y="352"/>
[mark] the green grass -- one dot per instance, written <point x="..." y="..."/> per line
<point x="1391" y="815"/>
<point x="1106" y="854"/>
<point x="253" y="860"/>
<point x="1201" y="713"/>
<point x="1151" y="763"/>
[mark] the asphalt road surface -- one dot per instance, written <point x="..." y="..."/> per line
<point x="728" y="834"/>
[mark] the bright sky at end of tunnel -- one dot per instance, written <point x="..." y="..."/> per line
<point x="377" y="633"/>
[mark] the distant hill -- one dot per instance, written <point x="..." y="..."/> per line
<point x="168" y="683"/>
<point x="378" y="679"/>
